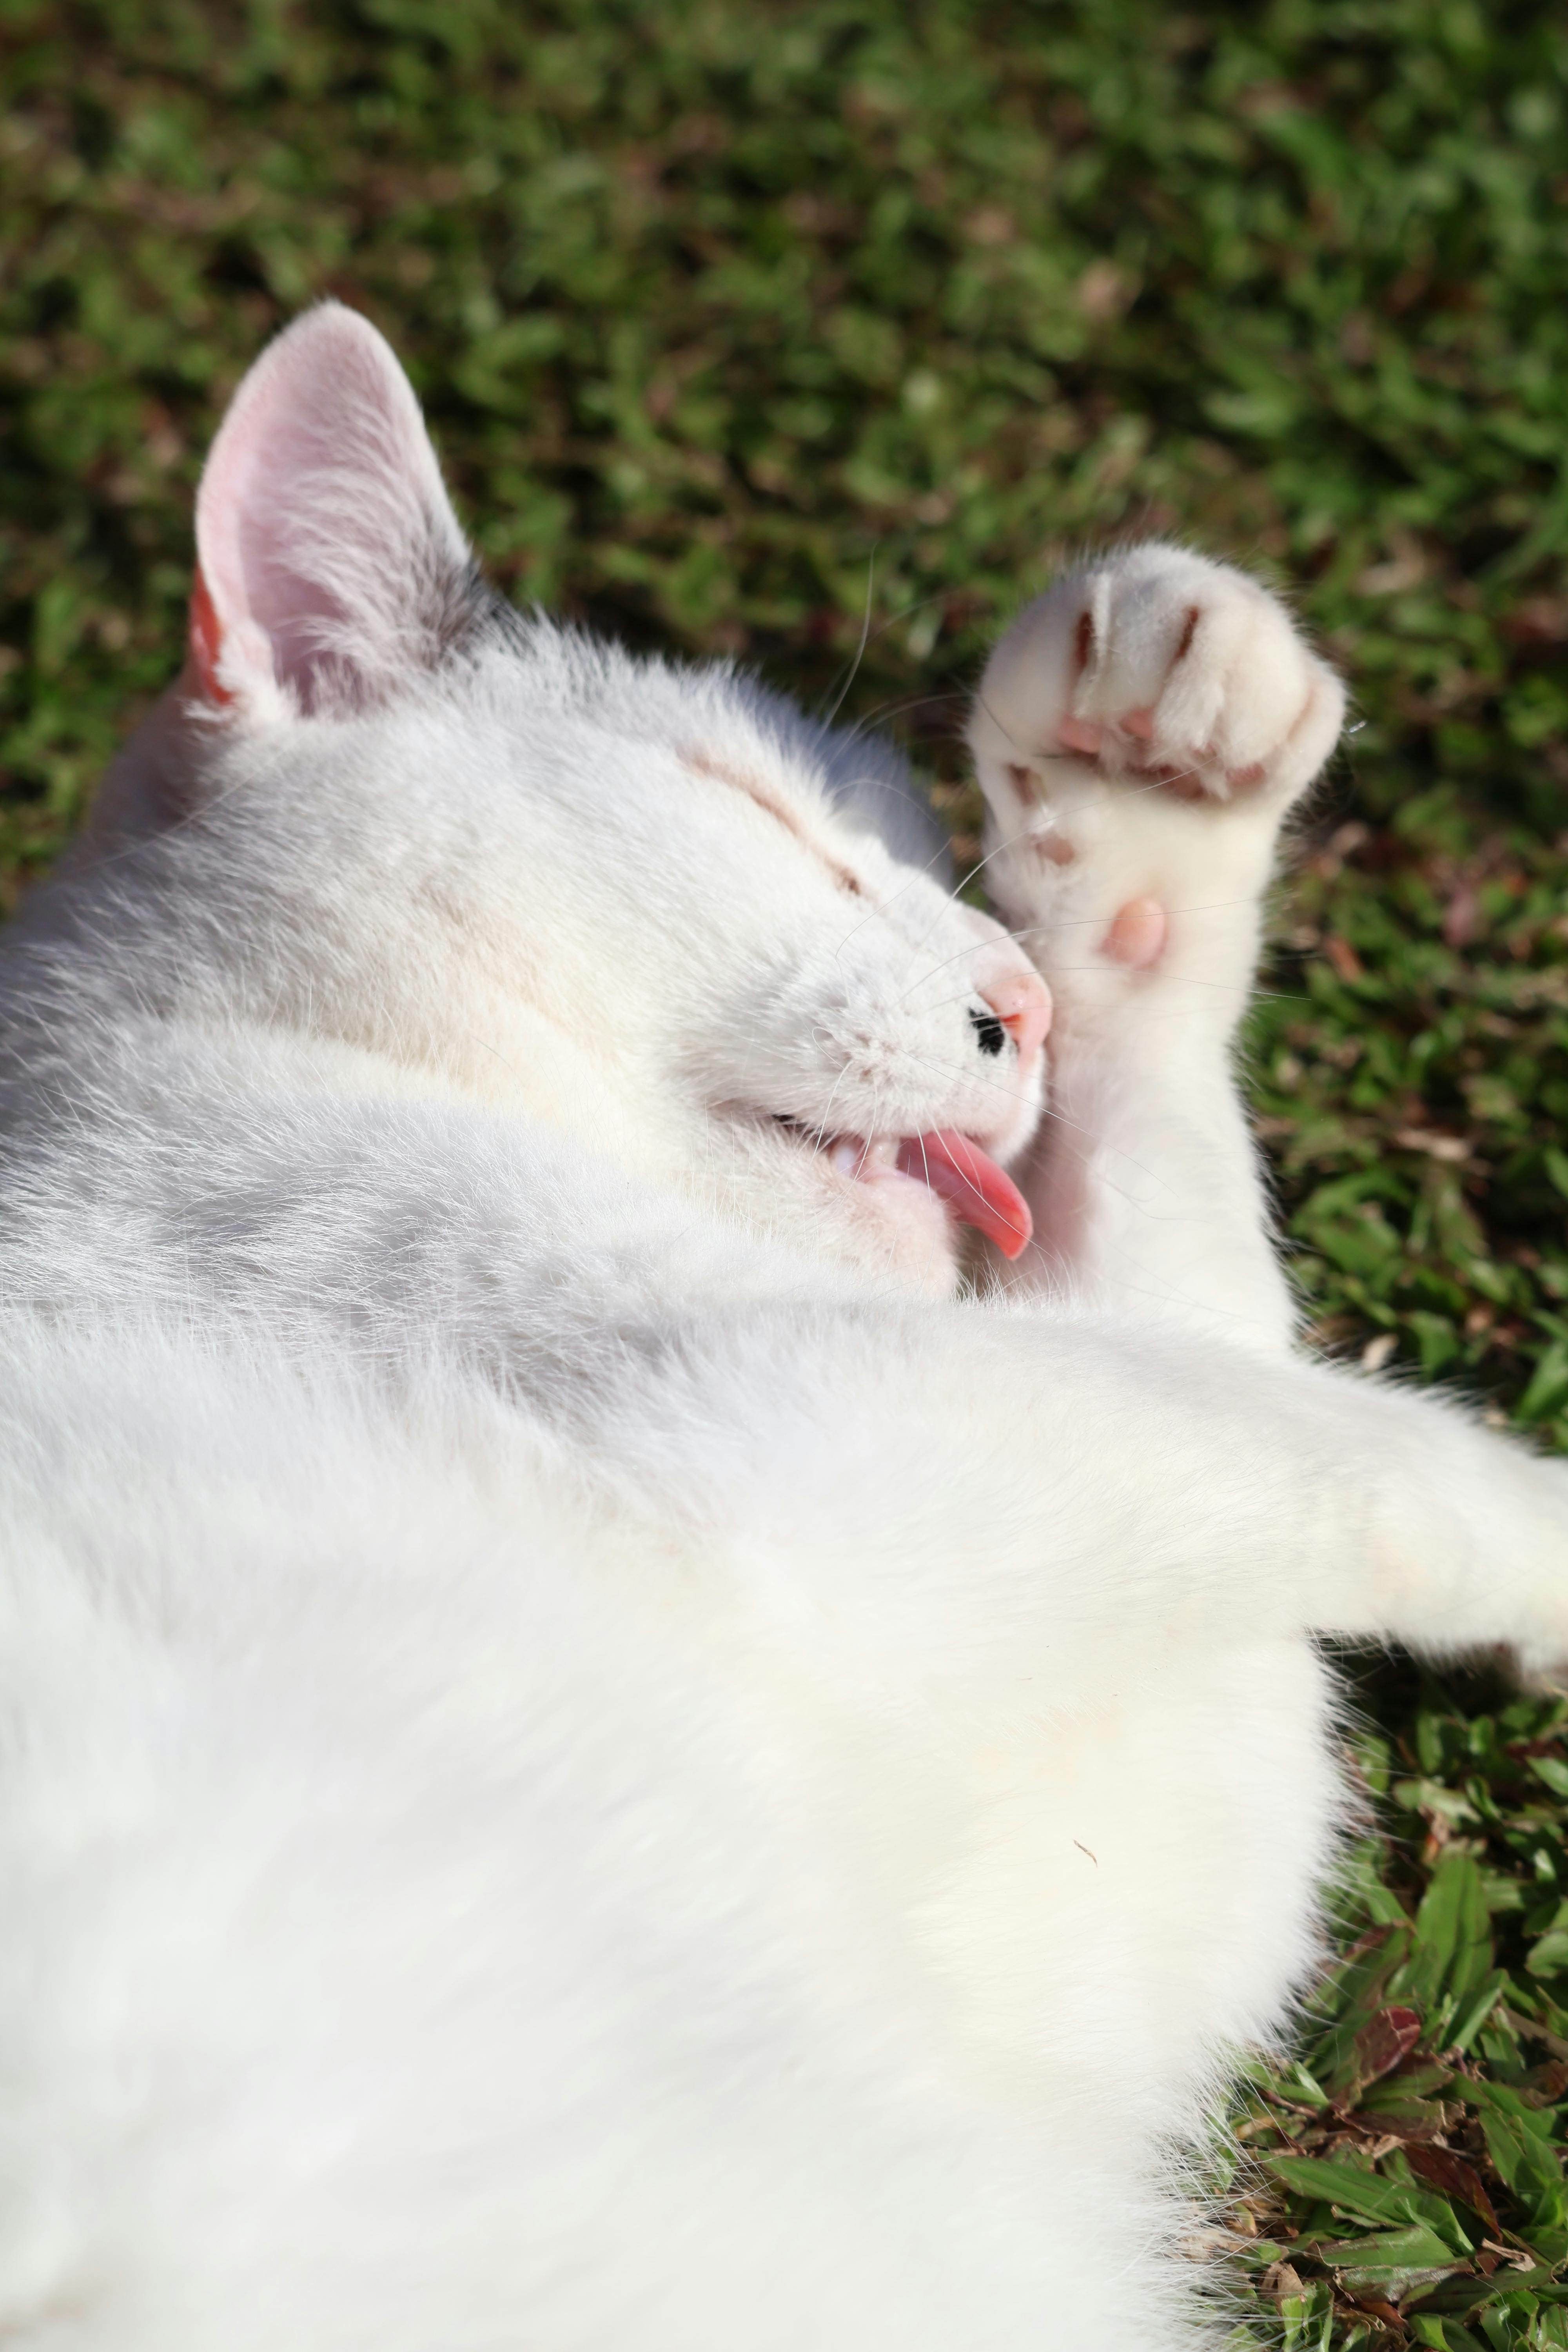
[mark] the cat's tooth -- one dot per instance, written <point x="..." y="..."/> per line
<point x="847" y="1155"/>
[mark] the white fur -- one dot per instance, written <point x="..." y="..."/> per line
<point x="592" y="1758"/>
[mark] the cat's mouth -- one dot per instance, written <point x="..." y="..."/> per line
<point x="952" y="1166"/>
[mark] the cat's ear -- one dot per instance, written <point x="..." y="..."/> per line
<point x="329" y="563"/>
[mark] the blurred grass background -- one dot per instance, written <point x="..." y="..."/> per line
<point x="747" y="328"/>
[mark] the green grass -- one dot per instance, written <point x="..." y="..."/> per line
<point x="1407" y="2182"/>
<point x="736" y="322"/>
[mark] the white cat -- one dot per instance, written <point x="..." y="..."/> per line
<point x="594" y="1760"/>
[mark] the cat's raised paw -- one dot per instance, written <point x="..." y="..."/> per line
<point x="1139" y="734"/>
<point x="1160" y="670"/>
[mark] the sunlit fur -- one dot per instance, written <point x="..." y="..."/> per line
<point x="595" y="1757"/>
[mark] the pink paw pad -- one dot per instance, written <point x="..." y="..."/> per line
<point x="1137" y="936"/>
<point x="1084" y="735"/>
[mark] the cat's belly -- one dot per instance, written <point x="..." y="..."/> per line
<point x="1084" y="1913"/>
<point x="405" y="1935"/>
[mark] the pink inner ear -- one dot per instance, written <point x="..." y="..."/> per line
<point x="326" y="544"/>
<point x="207" y="640"/>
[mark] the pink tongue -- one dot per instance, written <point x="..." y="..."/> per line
<point x="974" y="1187"/>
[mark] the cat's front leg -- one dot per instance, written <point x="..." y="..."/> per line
<point x="1140" y="733"/>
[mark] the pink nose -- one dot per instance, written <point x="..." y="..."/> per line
<point x="1022" y="1002"/>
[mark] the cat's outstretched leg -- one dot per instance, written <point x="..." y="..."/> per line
<point x="1141" y="732"/>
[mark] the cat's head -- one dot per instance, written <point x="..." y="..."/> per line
<point x="655" y="907"/>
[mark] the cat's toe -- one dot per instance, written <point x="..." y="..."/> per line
<point x="1260" y="712"/>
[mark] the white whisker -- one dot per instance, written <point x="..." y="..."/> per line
<point x="860" y="648"/>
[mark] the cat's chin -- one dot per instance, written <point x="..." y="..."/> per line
<point x="952" y="1168"/>
<point x="902" y="1203"/>
<point x="908" y="1221"/>
<point x="900" y="1227"/>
